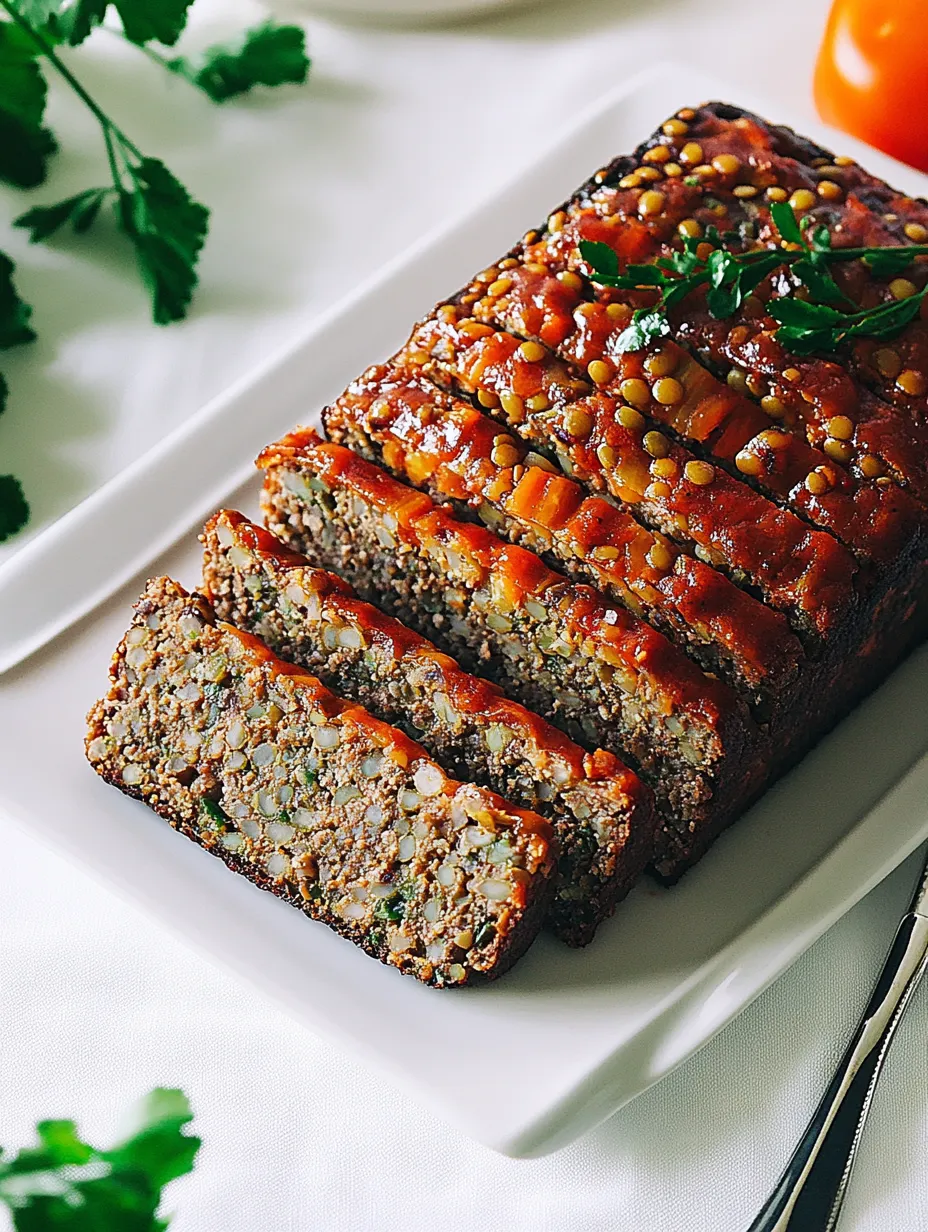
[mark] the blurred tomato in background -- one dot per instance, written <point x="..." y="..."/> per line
<point x="871" y="78"/>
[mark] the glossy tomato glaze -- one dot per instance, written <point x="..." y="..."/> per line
<point x="612" y="633"/>
<point x="394" y="743"/>
<point x="871" y="213"/>
<point x="547" y="400"/>
<point x="441" y="443"/>
<point x="469" y="694"/>
<point x="638" y="209"/>
<point x="610" y="447"/>
<point x="875" y="520"/>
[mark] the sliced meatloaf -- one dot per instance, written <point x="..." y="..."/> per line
<point x="311" y="797"/>
<point x="601" y="812"/>
<point x="560" y="648"/>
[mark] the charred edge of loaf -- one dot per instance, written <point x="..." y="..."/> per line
<point x="600" y="811"/>
<point x="700" y="769"/>
<point x="310" y="797"/>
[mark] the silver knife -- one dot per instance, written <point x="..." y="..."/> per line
<point x="810" y="1192"/>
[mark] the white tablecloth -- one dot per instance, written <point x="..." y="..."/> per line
<point x="311" y="191"/>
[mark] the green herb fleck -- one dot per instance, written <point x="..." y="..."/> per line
<point x="218" y="819"/>
<point x="393" y="908"/>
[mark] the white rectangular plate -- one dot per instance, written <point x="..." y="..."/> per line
<point x="529" y="1064"/>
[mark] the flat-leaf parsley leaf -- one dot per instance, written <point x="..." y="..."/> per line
<point x="14" y="508"/>
<point x="267" y="55"/>
<point x="161" y="21"/>
<point x="25" y="144"/>
<point x="64" y="1182"/>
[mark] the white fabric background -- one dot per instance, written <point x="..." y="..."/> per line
<point x="312" y="190"/>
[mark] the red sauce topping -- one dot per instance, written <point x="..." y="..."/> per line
<point x="890" y="425"/>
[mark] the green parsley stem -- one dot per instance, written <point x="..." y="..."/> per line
<point x="853" y="254"/>
<point x="154" y="56"/>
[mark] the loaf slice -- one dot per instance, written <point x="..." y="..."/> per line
<point x="608" y="446"/>
<point x="312" y="798"/>
<point x="560" y="648"/>
<point x="600" y="810"/>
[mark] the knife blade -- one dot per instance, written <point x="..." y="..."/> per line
<point x="810" y="1192"/>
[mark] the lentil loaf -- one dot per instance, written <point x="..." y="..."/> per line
<point x="561" y="648"/>
<point x="311" y="797"/>
<point x="774" y="532"/>
<point x="600" y="810"/>
<point x="695" y="551"/>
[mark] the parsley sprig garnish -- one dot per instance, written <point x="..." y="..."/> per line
<point x="165" y="225"/>
<point x="64" y="1182"/>
<point x="820" y="321"/>
<point x="154" y="211"/>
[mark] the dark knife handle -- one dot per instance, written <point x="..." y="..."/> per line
<point x="809" y="1194"/>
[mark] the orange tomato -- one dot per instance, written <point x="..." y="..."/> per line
<point x="871" y="78"/>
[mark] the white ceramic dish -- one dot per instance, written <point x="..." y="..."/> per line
<point x="562" y="1042"/>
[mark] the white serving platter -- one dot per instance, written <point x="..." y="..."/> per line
<point x="529" y="1064"/>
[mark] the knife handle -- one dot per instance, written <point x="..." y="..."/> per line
<point x="809" y="1194"/>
